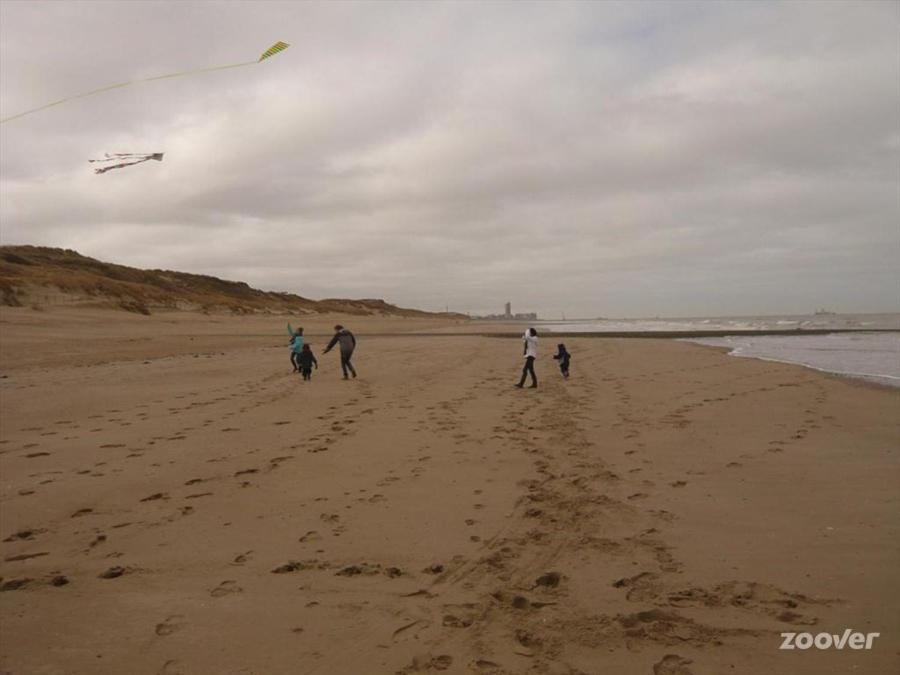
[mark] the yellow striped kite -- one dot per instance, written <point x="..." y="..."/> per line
<point x="271" y="51"/>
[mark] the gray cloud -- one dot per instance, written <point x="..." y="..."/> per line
<point x="587" y="158"/>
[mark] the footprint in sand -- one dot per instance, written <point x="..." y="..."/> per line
<point x="226" y="588"/>
<point x="25" y="534"/>
<point x="25" y="556"/>
<point x="172" y="624"/>
<point x="14" y="584"/>
<point x="429" y="662"/>
<point x="453" y="621"/>
<point x="112" y="572"/>
<point x="672" y="664"/>
<point x="170" y="667"/>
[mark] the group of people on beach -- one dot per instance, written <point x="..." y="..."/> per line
<point x="530" y="344"/>
<point x="303" y="359"/>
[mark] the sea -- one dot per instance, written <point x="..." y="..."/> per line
<point x="865" y="353"/>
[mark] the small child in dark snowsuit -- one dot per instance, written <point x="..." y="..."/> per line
<point x="306" y="360"/>
<point x="563" y="357"/>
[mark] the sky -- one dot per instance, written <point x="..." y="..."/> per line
<point x="589" y="159"/>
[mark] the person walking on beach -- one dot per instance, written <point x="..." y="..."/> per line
<point x="347" y="342"/>
<point x="305" y="361"/>
<point x="296" y="346"/>
<point x="563" y="357"/>
<point x="529" y="341"/>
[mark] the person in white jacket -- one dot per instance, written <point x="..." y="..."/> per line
<point x="530" y="342"/>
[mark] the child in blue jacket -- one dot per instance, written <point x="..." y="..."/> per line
<point x="296" y="346"/>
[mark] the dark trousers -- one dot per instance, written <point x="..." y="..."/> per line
<point x="306" y="371"/>
<point x="528" y="369"/>
<point x="346" y="365"/>
<point x="295" y="360"/>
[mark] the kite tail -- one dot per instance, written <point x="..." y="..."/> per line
<point x="119" y="166"/>
<point x="117" y="156"/>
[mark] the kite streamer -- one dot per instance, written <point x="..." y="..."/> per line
<point x="127" y="159"/>
<point x="271" y="51"/>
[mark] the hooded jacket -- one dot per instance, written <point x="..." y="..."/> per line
<point x="346" y="340"/>
<point x="531" y="343"/>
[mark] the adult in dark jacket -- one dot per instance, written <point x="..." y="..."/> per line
<point x="347" y="342"/>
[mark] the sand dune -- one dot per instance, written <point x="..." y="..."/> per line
<point x="175" y="500"/>
<point x="40" y="277"/>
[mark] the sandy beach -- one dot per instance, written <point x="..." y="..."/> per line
<point x="175" y="501"/>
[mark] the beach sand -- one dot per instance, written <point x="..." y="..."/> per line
<point x="669" y="510"/>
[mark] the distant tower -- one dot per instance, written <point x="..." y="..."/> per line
<point x="508" y="313"/>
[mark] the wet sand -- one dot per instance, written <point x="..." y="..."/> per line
<point x="175" y="500"/>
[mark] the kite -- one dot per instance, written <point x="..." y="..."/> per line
<point x="127" y="159"/>
<point x="271" y="51"/>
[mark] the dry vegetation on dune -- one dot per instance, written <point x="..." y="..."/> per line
<point x="40" y="276"/>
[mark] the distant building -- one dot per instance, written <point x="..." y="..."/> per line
<point x="508" y="315"/>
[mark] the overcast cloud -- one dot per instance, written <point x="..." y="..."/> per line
<point x="596" y="158"/>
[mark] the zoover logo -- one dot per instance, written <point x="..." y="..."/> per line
<point x="849" y="638"/>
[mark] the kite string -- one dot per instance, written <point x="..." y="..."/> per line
<point x="194" y="72"/>
<point x="125" y="84"/>
<point x="63" y="100"/>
